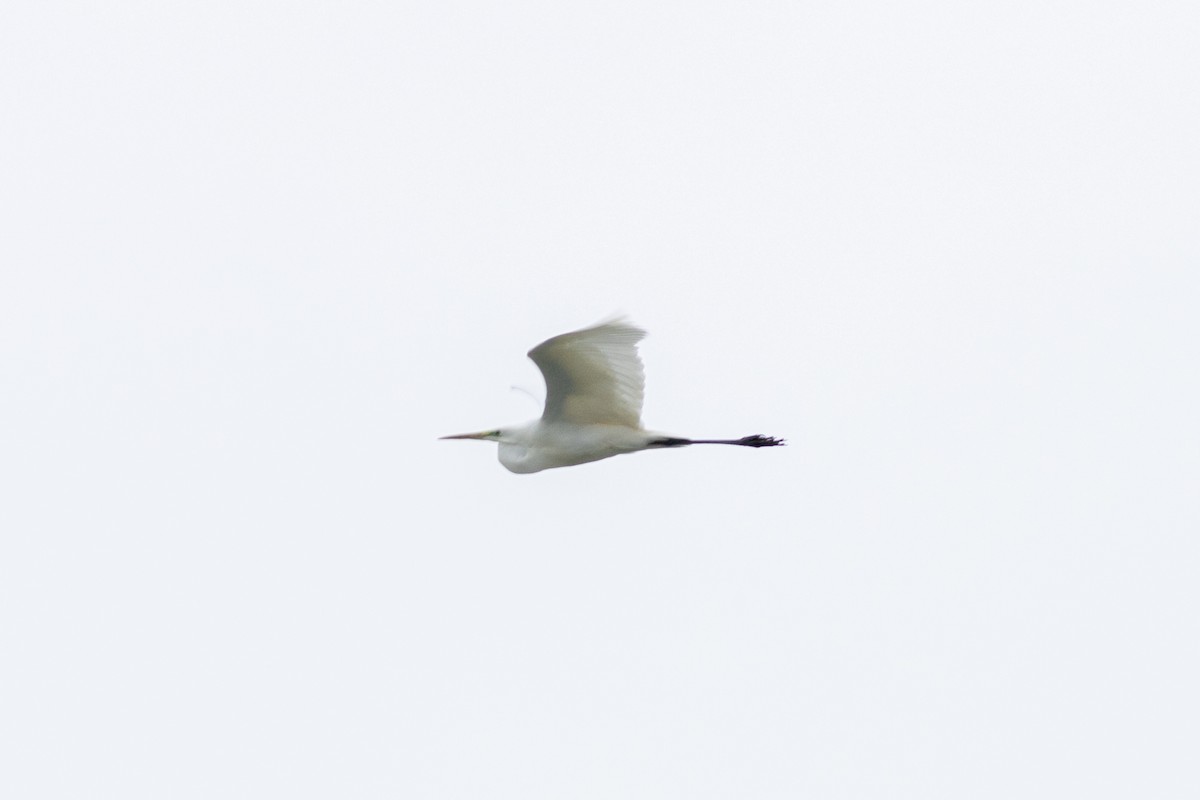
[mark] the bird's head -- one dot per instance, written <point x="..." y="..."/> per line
<point x="486" y="436"/>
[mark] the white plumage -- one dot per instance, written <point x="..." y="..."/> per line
<point x="594" y="390"/>
<point x="593" y="376"/>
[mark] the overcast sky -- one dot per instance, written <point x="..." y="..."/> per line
<point x="255" y="257"/>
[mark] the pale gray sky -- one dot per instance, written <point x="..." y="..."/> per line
<point x="258" y="256"/>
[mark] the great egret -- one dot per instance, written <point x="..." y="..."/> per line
<point x="594" y="389"/>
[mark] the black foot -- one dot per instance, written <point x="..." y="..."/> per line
<point x="758" y="440"/>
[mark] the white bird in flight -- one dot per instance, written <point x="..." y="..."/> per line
<point x="594" y="389"/>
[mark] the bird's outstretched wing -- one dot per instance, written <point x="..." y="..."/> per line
<point x="593" y="376"/>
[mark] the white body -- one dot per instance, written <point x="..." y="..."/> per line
<point x="540" y="445"/>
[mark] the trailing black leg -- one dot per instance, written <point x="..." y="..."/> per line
<point x="757" y="440"/>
